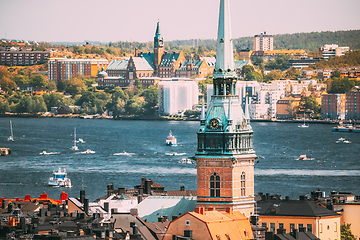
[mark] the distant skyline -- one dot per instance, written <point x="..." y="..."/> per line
<point x="120" y="20"/>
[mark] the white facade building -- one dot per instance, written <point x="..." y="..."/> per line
<point x="332" y="50"/>
<point x="263" y="42"/>
<point x="177" y="96"/>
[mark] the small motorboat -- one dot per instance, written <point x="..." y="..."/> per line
<point x="304" y="158"/>
<point x="342" y="140"/>
<point x="175" y="154"/>
<point x="186" y="161"/>
<point x="171" y="140"/>
<point x="60" y="179"/>
<point x="88" y="151"/>
<point x="81" y="140"/>
<point x="124" y="154"/>
<point x="49" y="153"/>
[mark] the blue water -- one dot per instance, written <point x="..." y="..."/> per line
<point x="335" y="166"/>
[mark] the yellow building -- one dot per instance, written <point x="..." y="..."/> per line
<point x="293" y="214"/>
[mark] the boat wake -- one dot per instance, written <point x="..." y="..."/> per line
<point x="175" y="154"/>
<point x="306" y="172"/>
<point x="86" y="152"/>
<point x="124" y="154"/>
<point x="49" y="153"/>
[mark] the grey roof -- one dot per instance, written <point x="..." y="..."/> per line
<point x="149" y="57"/>
<point x="156" y="206"/>
<point x="240" y="64"/>
<point x="196" y="64"/>
<point x="293" y="208"/>
<point x="141" y="64"/>
<point x="168" y="58"/>
<point x="118" y="65"/>
<point x="210" y="61"/>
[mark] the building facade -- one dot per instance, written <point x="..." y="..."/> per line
<point x="176" y="96"/>
<point x="225" y="155"/>
<point x="333" y="106"/>
<point x="64" y="69"/>
<point x="332" y="50"/>
<point x="353" y="104"/>
<point x="263" y="42"/>
<point x="23" y="57"/>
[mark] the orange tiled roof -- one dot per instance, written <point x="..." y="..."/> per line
<point x="225" y="223"/>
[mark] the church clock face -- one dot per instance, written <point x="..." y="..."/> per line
<point x="214" y="123"/>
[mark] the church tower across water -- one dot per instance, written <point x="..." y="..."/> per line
<point x="225" y="155"/>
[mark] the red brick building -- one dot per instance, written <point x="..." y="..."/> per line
<point x="23" y="57"/>
<point x="353" y="104"/>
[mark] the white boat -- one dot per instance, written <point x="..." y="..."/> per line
<point x="304" y="125"/>
<point x="171" y="140"/>
<point x="49" y="153"/>
<point x="304" y="158"/>
<point x="81" y="140"/>
<point x="11" y="137"/>
<point x="342" y="140"/>
<point x="60" y="179"/>
<point x="124" y="154"/>
<point x="186" y="161"/>
<point x="74" y="147"/>
<point x="87" y="151"/>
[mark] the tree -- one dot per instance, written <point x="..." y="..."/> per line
<point x="335" y="74"/>
<point x="134" y="106"/>
<point x="7" y="84"/>
<point x="292" y="73"/>
<point x="75" y="85"/>
<point x="4" y="107"/>
<point x="54" y="100"/>
<point x="246" y="70"/>
<point x="38" y="104"/>
<point x="254" y="76"/>
<point x="51" y="86"/>
<point x="202" y="84"/>
<point x="346" y="233"/>
<point x="20" y="79"/>
<point x="341" y="85"/>
<point x="25" y="105"/>
<point x="37" y="80"/>
<point x="273" y="75"/>
<point x="151" y="95"/>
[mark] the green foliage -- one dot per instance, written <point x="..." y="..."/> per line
<point x="38" y="104"/>
<point x="273" y="75"/>
<point x="25" y="105"/>
<point x="151" y="96"/>
<point x="4" y="107"/>
<point x="280" y="63"/>
<point x="339" y="85"/>
<point x="292" y="73"/>
<point x="346" y="233"/>
<point x="21" y="79"/>
<point x="75" y="85"/>
<point x="309" y="104"/>
<point x="202" y="84"/>
<point x="192" y="113"/>
<point x="37" y="80"/>
<point x="54" y="100"/>
<point x="254" y="76"/>
<point x="134" y="106"/>
<point x="351" y="58"/>
<point x="7" y="84"/>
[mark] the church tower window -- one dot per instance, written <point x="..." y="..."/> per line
<point x="242" y="184"/>
<point x="215" y="185"/>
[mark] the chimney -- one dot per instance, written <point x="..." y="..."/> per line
<point x="254" y="219"/>
<point x="141" y="191"/>
<point x="228" y="210"/>
<point x="302" y="229"/>
<point x="281" y="231"/>
<point x="64" y="196"/>
<point x="269" y="236"/>
<point x="27" y="197"/>
<point x="211" y="209"/>
<point x="82" y="196"/>
<point x="160" y="219"/>
<point x="136" y="52"/>
<point x="287" y="198"/>
<point x="182" y="188"/>
<point x="5" y="203"/>
<point x="173" y="218"/>
<point x="200" y="210"/>
<point x="110" y="189"/>
<point x="106" y="206"/>
<point x="86" y="206"/>
<point x="303" y="198"/>
<point x="295" y="234"/>
<point x="166" y="218"/>
<point x="148" y="184"/>
<point x="121" y="190"/>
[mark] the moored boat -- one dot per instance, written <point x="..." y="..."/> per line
<point x="5" y="151"/>
<point x="60" y="179"/>
<point x="171" y="140"/>
<point x="304" y="158"/>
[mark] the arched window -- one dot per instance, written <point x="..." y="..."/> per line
<point x="242" y="184"/>
<point x="215" y="185"/>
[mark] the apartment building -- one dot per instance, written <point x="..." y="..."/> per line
<point x="65" y="69"/>
<point x="353" y="104"/>
<point x="177" y="95"/>
<point x="263" y="42"/>
<point x="200" y="68"/>
<point x="333" y="106"/>
<point x="23" y="57"/>
<point x="332" y="50"/>
<point x="268" y="55"/>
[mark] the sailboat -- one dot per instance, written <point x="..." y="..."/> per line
<point x="304" y="125"/>
<point x="74" y="147"/>
<point x="11" y="137"/>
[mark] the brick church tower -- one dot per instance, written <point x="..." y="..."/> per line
<point x="158" y="48"/>
<point x="225" y="155"/>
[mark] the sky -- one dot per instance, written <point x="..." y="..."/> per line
<point x="135" y="20"/>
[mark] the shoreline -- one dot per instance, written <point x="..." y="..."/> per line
<point x="157" y="118"/>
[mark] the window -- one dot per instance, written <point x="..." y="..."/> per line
<point x="336" y="227"/>
<point x="264" y="224"/>
<point x="272" y="227"/>
<point x="187" y="223"/>
<point x="243" y="184"/>
<point x="215" y="185"/>
<point x="281" y="225"/>
<point x="292" y="227"/>
<point x="321" y="228"/>
<point x="309" y="228"/>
